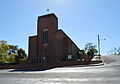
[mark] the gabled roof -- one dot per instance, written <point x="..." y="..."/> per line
<point x="68" y="37"/>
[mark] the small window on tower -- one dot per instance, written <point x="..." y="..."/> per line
<point x="45" y="36"/>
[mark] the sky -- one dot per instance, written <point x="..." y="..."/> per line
<point x="82" y="20"/>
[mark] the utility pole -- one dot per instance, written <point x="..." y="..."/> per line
<point x="99" y="45"/>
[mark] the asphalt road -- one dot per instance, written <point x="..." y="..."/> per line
<point x="105" y="74"/>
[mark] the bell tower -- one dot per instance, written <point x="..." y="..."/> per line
<point x="46" y="26"/>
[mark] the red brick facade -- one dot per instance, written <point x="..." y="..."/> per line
<point x="50" y="45"/>
<point x="50" y="48"/>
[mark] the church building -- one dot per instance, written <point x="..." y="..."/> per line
<point x="50" y="45"/>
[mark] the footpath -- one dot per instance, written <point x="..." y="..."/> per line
<point x="96" y="61"/>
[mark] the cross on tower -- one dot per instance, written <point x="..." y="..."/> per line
<point x="48" y="10"/>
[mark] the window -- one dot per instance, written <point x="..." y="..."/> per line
<point x="45" y="36"/>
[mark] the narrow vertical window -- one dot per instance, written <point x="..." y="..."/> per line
<point x="45" y="36"/>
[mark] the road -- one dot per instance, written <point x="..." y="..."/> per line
<point x="105" y="74"/>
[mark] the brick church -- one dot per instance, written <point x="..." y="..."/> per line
<point x="50" y="45"/>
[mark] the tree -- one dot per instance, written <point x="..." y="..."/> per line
<point x="13" y="49"/>
<point x="115" y="50"/>
<point x="118" y="50"/>
<point x="3" y="42"/>
<point x="90" y="48"/>
<point x="3" y="51"/>
<point x="81" y="54"/>
<point x="20" y="55"/>
<point x="10" y="53"/>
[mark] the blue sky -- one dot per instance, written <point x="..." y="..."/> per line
<point x="82" y="20"/>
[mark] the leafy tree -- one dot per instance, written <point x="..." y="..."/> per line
<point x="13" y="49"/>
<point x="3" y="50"/>
<point x="81" y="54"/>
<point x="10" y="53"/>
<point x="3" y="42"/>
<point x="114" y="51"/>
<point x="118" y="50"/>
<point x="20" y="55"/>
<point x="90" y="48"/>
<point x="12" y="58"/>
